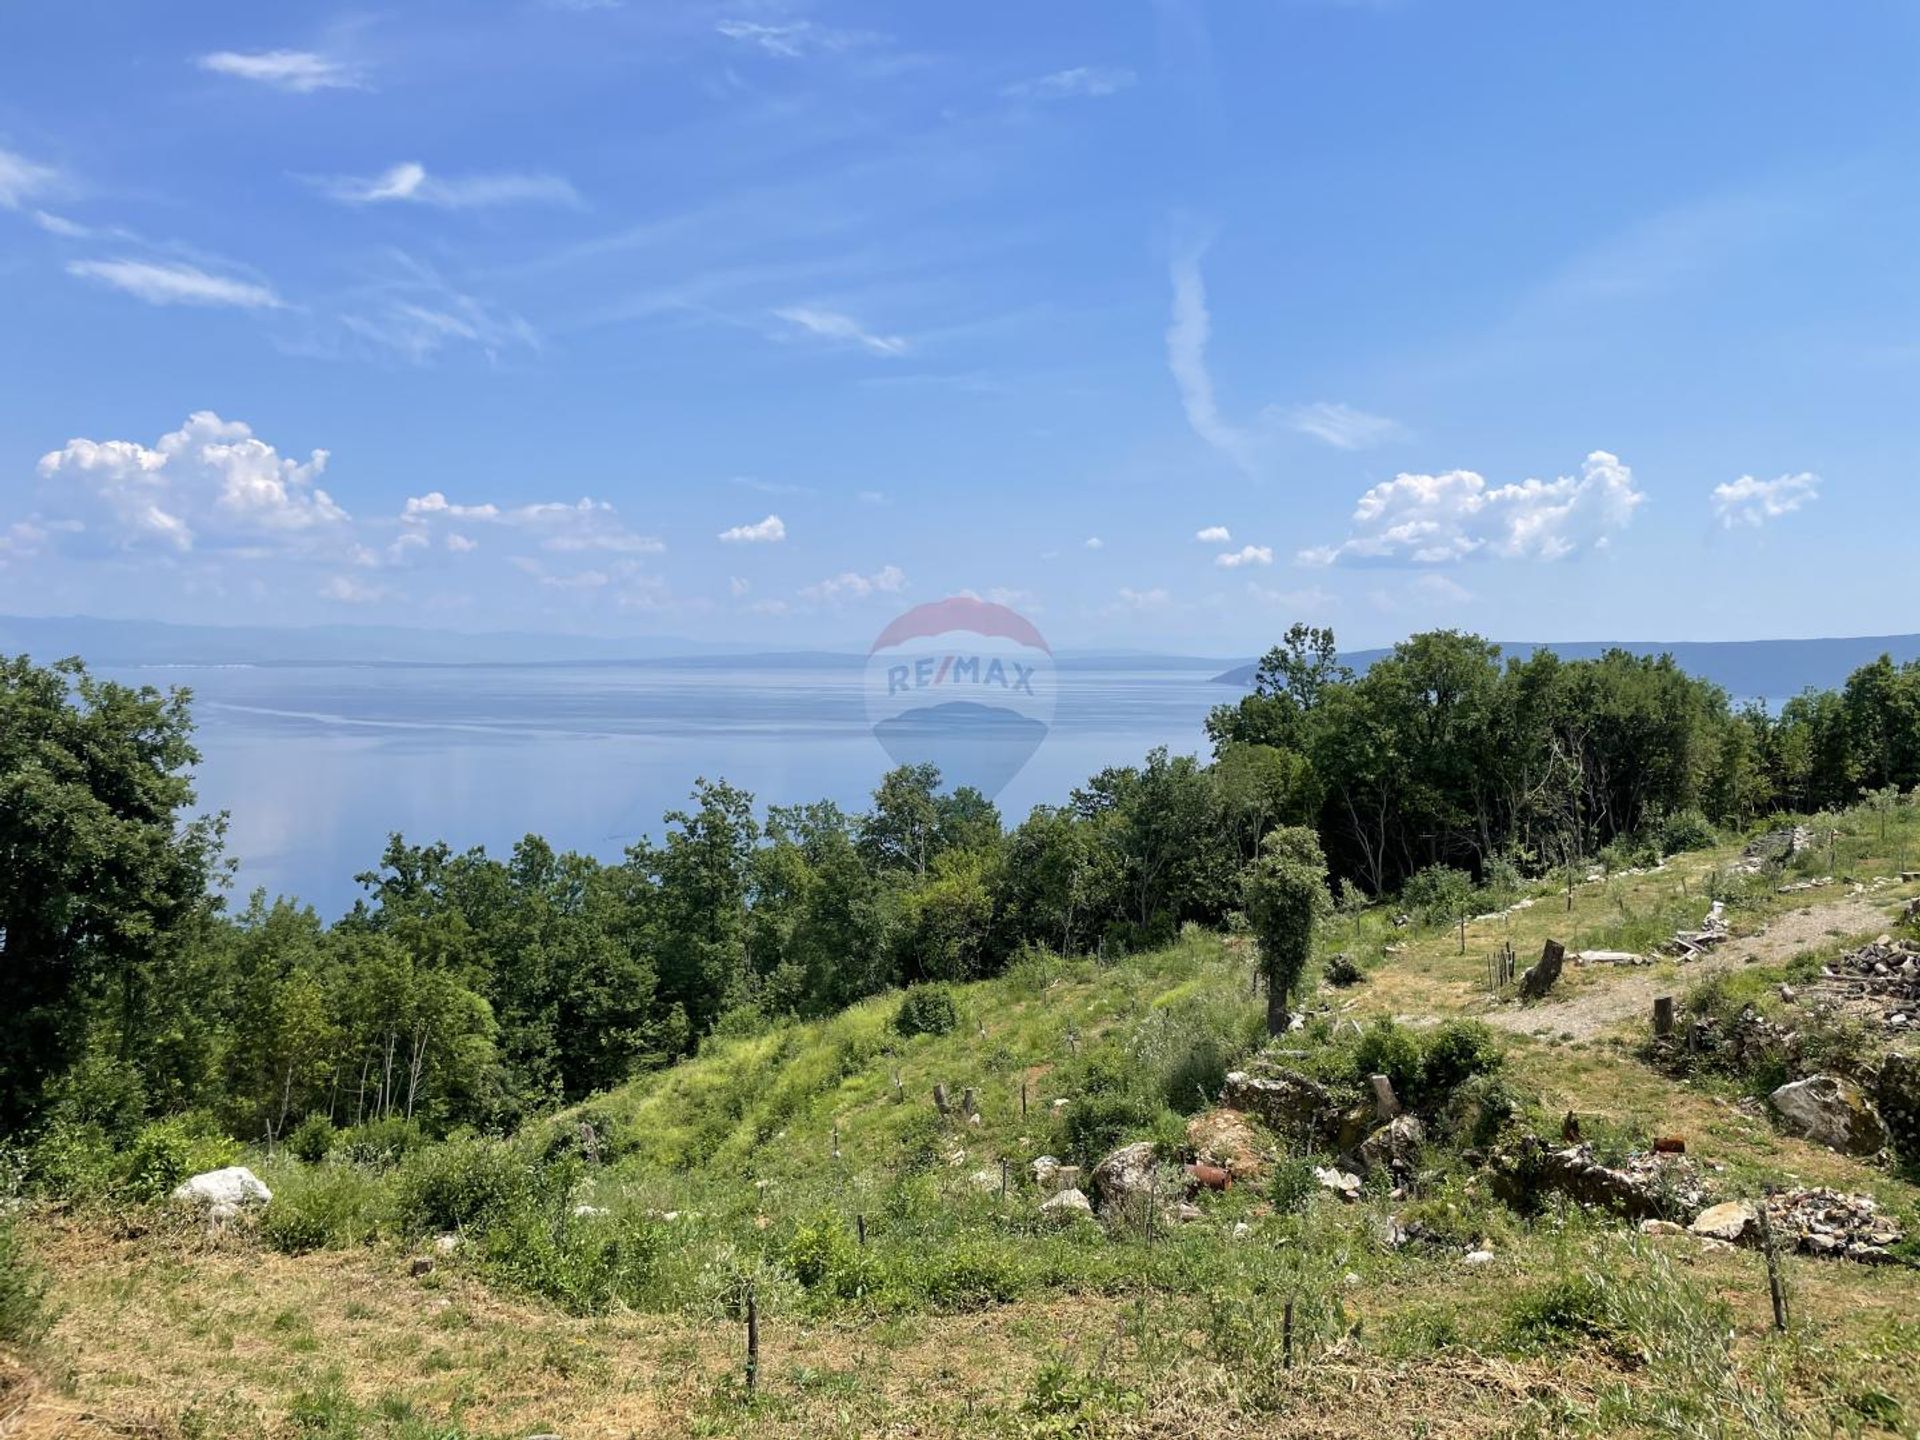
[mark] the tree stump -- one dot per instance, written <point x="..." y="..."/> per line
<point x="1542" y="976"/>
<point x="1663" y="1017"/>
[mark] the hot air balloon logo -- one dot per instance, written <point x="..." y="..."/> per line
<point x="962" y="684"/>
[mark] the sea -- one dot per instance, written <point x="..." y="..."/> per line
<point x="316" y="765"/>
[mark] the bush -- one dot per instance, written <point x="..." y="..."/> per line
<point x="24" y="1317"/>
<point x="464" y="1181"/>
<point x="1456" y="1052"/>
<point x="312" y="1138"/>
<point x="926" y="1010"/>
<point x="1294" y="1184"/>
<point x="1439" y="894"/>
<point x="1686" y="830"/>
<point x="1567" y="1311"/>
<point x="72" y="1160"/>
<point x="1389" y="1049"/>
<point x="1110" y="1106"/>
<point x="324" y="1207"/>
<point x="168" y="1151"/>
<point x="379" y="1142"/>
<point x="585" y="1263"/>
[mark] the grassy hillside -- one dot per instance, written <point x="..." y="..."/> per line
<point x="597" y="1284"/>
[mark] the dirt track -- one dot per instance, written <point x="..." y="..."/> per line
<point x="1630" y="994"/>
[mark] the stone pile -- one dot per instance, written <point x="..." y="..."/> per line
<point x="1881" y="980"/>
<point x="1776" y="847"/>
<point x="1820" y="1222"/>
<point x="1643" y="1186"/>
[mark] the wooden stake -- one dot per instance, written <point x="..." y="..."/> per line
<point x="1023" y="1097"/>
<point x="1286" y="1336"/>
<point x="753" y="1341"/>
<point x="860" y="1228"/>
<point x="1775" y="1288"/>
<point x="1003" y="1182"/>
<point x="1663" y="1016"/>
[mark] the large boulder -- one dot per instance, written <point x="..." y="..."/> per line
<point x="1289" y="1103"/>
<point x="1223" y="1137"/>
<point x="236" y="1186"/>
<point x="1643" y="1187"/>
<point x="1123" y="1183"/>
<point x="1394" y="1147"/>
<point x="1831" y="1112"/>
<point x="1732" y="1222"/>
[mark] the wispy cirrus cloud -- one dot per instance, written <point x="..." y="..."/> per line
<point x="176" y="283"/>
<point x="1341" y="426"/>
<point x="832" y="325"/>
<point x="769" y="531"/>
<point x="21" y="179"/>
<point x="298" y="71"/>
<point x="1082" y="82"/>
<point x="410" y="183"/>
<point x="1752" y="503"/>
<point x="1188" y="332"/>
<point x="795" y="39"/>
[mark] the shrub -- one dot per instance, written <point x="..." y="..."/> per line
<point x="1389" y="1049"/>
<point x="1343" y="970"/>
<point x="166" y="1152"/>
<point x="72" y="1160"/>
<point x="464" y="1181"/>
<point x="1294" y="1185"/>
<point x="312" y="1138"/>
<point x="1686" y="830"/>
<point x="1110" y="1105"/>
<point x="1438" y="895"/>
<point x="585" y="1263"/>
<point x="324" y="1207"/>
<point x="1456" y="1051"/>
<point x="24" y="1317"/>
<point x="380" y="1142"/>
<point x="926" y="1010"/>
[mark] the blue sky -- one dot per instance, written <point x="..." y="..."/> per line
<point x="1168" y="323"/>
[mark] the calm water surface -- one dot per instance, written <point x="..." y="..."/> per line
<point x="317" y="764"/>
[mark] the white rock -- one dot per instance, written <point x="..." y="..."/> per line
<point x="446" y="1244"/>
<point x="1242" y="1230"/>
<point x="236" y="1185"/>
<point x="1068" y="1205"/>
<point x="589" y="1210"/>
<point x="1477" y="1257"/>
<point x="1341" y="1182"/>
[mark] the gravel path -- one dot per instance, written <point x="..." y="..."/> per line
<point x="1631" y="993"/>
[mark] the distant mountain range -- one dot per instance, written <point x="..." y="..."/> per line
<point x="1746" y="669"/>
<point x="152" y="642"/>
<point x="1771" y="669"/>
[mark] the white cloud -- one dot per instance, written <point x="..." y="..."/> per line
<point x="301" y="71"/>
<point x="585" y="525"/>
<point x="419" y="332"/>
<point x="1144" y="600"/>
<point x="160" y="283"/>
<point x="850" y="585"/>
<point x="832" y="325"/>
<point x="1752" y="502"/>
<point x="211" y="477"/>
<point x="410" y="183"/>
<point x="21" y="541"/>
<point x="348" y="590"/>
<point x="1443" y="588"/>
<point x="1312" y="600"/>
<point x="1245" y="555"/>
<point x="1213" y="535"/>
<point x="1083" y="82"/>
<point x="435" y="503"/>
<point x="21" y="178"/>
<point x="1187" y="335"/>
<point x="795" y="40"/>
<point x="461" y="544"/>
<point x="1094" y="542"/>
<point x="1341" y="426"/>
<point x="1433" y="519"/>
<point x="762" y="532"/>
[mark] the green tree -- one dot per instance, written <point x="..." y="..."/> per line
<point x="103" y="869"/>
<point x="1284" y="892"/>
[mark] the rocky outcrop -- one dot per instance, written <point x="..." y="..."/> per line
<point x="1815" y="1222"/>
<point x="1832" y="1112"/>
<point x="1289" y="1103"/>
<point x="1223" y="1137"/>
<point x="1642" y="1187"/>
<point x="1123" y="1183"/>
<point x="1394" y="1147"/>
